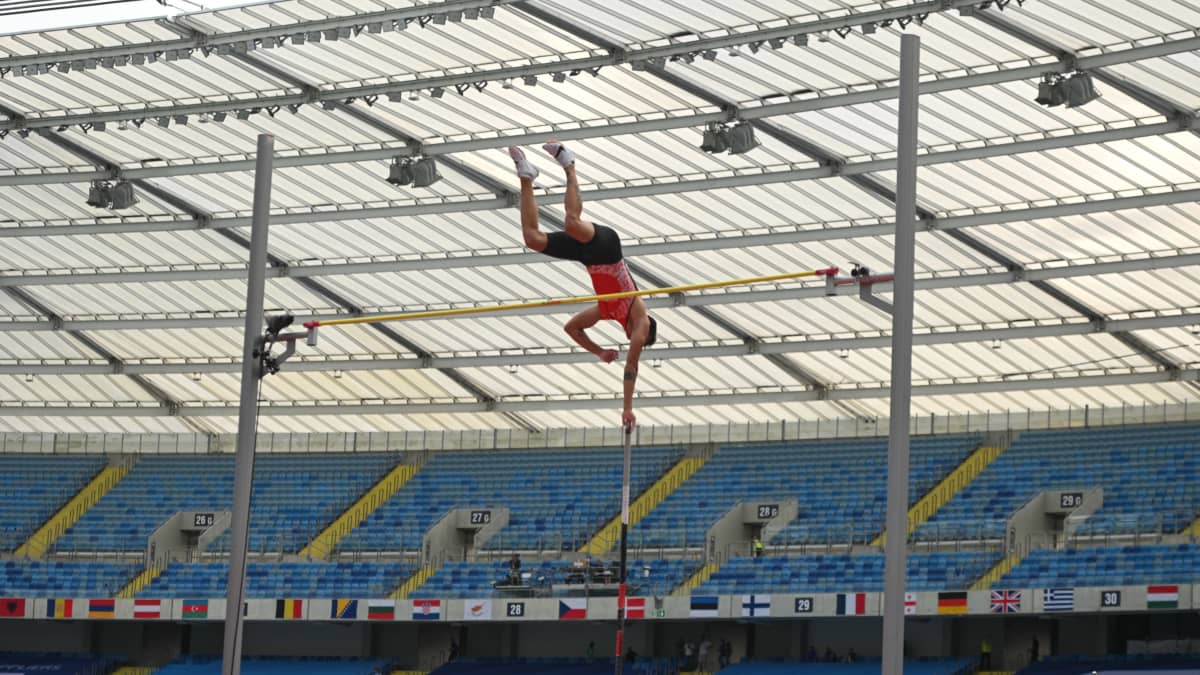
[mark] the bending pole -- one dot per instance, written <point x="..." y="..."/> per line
<point x="621" y="596"/>
<point x="252" y="372"/>
<point x="460" y="311"/>
<point x="895" y="559"/>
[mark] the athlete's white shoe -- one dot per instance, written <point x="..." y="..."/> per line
<point x="525" y="168"/>
<point x="560" y="153"/>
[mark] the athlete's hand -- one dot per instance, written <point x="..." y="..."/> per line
<point x="609" y="355"/>
<point x="627" y="418"/>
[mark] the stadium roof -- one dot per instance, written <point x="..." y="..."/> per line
<point x="1058" y="257"/>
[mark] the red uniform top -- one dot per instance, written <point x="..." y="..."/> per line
<point x="613" y="278"/>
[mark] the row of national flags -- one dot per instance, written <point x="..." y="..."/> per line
<point x="1159" y="596"/>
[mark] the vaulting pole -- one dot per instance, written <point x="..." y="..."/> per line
<point x="621" y="594"/>
<point x="252" y="373"/>
<point x="902" y="321"/>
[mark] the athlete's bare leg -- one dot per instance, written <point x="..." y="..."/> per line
<point x="577" y="228"/>
<point x="535" y="239"/>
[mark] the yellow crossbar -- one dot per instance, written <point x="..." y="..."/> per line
<point x="459" y="311"/>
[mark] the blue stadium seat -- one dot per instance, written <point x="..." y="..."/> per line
<point x="458" y="579"/>
<point x="1106" y="566"/>
<point x="64" y="578"/>
<point x="35" y="487"/>
<point x="282" y="580"/>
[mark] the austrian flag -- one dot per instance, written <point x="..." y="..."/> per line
<point x="147" y="609"/>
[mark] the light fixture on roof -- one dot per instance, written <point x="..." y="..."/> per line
<point x="163" y="121"/>
<point x="471" y="14"/>
<point x="123" y="125"/>
<point x="242" y="114"/>
<point x="741" y="138"/>
<point x="869" y="28"/>
<point x="455" y="16"/>
<point x="196" y="377"/>
<point x="800" y="40"/>
<point x="513" y="368"/>
<point x="122" y="195"/>
<point x="487" y="12"/>
<point x="100" y="126"/>
<point x="776" y="42"/>
<point x="425" y="173"/>
<point x="559" y="77"/>
<point x="507" y="84"/>
<point x="98" y="195"/>
<point x="996" y="343"/>
<point x="375" y="27"/>
<point x="530" y="80"/>
<point x="1081" y="90"/>
<point x="656" y="363"/>
<point x="1052" y="91"/>
<point x="219" y="116"/>
<point x="709" y="55"/>
<point x="437" y="92"/>
<point x="715" y="139"/>
<point x="400" y="172"/>
<point x="439" y="19"/>
<point x="337" y="374"/>
<point x="843" y="353"/>
<point x="29" y="377"/>
<point x="414" y="95"/>
<point x="181" y="119"/>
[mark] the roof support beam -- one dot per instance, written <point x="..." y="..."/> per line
<point x="477" y="203"/>
<point x="780" y="395"/>
<point x="485" y="73"/>
<point x="671" y="351"/>
<point x="713" y="241"/>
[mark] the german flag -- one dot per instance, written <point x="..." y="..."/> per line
<point x="289" y="609"/>
<point x="952" y="603"/>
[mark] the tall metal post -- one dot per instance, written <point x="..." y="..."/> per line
<point x="621" y="596"/>
<point x="252" y="373"/>
<point x="902" y="322"/>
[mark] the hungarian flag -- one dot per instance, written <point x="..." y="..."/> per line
<point x="635" y="608"/>
<point x="289" y="609"/>
<point x="1162" y="597"/>
<point x="102" y="608"/>
<point x="195" y="609"/>
<point x="381" y="610"/>
<point x="60" y="608"/>
<point x="147" y="609"/>
<point x="952" y="603"/>
<point x="12" y="607"/>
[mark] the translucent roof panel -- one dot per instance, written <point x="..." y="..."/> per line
<point x="1056" y="261"/>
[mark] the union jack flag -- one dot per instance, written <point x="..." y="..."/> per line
<point x="1006" y="602"/>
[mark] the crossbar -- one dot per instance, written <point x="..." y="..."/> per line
<point x="459" y="311"/>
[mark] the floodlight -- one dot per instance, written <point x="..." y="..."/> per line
<point x="1052" y="91"/>
<point x="530" y="80"/>
<point x="471" y="14"/>
<point x="122" y="195"/>
<point x="437" y="92"/>
<point x="869" y="28"/>
<point x="414" y="95"/>
<point x="100" y="126"/>
<point x="776" y="43"/>
<point x="181" y="119"/>
<point x="29" y="377"/>
<point x="219" y="116"/>
<point x="314" y="36"/>
<point x="710" y="55"/>
<point x="800" y="40"/>
<point x="204" y="118"/>
<point x="513" y="368"/>
<point x="375" y="28"/>
<point x="298" y="38"/>
<point x="714" y="139"/>
<point x="638" y="66"/>
<point x="439" y="19"/>
<point x="164" y="121"/>
<point x="560" y="77"/>
<point x="98" y="195"/>
<point x="108" y="62"/>
<point x="242" y="114"/>
<point x="424" y="172"/>
<point x="400" y="172"/>
<point x="395" y="96"/>
<point x="345" y="32"/>
<point x="741" y="138"/>
<point x="1081" y="90"/>
<point x="64" y="67"/>
<point x="487" y="12"/>
<point x="123" y="125"/>
<point x="401" y="24"/>
<point x="331" y="34"/>
<point x="507" y="84"/>
<point x="843" y="353"/>
<point x="454" y="17"/>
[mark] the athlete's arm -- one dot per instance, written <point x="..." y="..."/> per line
<point x="639" y="332"/>
<point x="577" y="328"/>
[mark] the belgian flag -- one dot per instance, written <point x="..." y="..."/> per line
<point x="289" y="609"/>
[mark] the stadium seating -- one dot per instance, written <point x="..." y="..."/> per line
<point x="551" y="666"/>
<point x="56" y="664"/>
<point x="458" y="579"/>
<point x="295" y="496"/>
<point x="1124" y="663"/>
<point x="282" y="580"/>
<point x="35" y="487"/>
<point x="275" y="666"/>
<point x="1106" y="566"/>
<point x="64" y="578"/>
<point x="840" y="486"/>
<point x="864" y="667"/>
<point x="1150" y="476"/>
<point x="834" y="573"/>
<point x="558" y="498"/>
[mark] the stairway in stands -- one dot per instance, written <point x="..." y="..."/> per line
<point x="949" y="486"/>
<point x="607" y="537"/>
<point x="39" y="542"/>
<point x="325" y="542"/>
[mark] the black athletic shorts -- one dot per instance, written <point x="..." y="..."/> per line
<point x="603" y="249"/>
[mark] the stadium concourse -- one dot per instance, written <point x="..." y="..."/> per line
<point x="438" y="483"/>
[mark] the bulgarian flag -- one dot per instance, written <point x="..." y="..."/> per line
<point x="1162" y="597"/>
